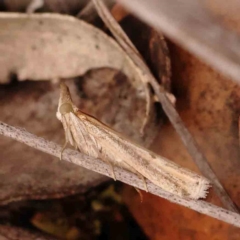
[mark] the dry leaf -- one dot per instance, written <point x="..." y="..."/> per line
<point x="43" y="52"/>
<point x="209" y="105"/>
<point x="192" y="25"/>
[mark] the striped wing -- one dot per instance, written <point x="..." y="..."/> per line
<point x="77" y="135"/>
<point x="90" y="140"/>
<point x="95" y="139"/>
<point x="164" y="173"/>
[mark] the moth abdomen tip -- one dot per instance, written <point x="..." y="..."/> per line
<point x="202" y="189"/>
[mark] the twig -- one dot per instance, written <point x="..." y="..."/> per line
<point x="169" y="109"/>
<point x="101" y="167"/>
<point x="188" y="23"/>
<point x="89" y="14"/>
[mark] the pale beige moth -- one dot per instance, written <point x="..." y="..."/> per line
<point x="95" y="139"/>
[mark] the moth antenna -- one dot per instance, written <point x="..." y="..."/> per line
<point x="113" y="173"/>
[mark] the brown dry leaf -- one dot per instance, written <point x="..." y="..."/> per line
<point x="209" y="105"/>
<point x="192" y="25"/>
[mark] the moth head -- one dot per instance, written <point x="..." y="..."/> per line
<point x="65" y="104"/>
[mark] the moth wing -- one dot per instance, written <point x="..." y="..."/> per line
<point x="177" y="179"/>
<point x="66" y="126"/>
<point x="161" y="171"/>
<point x="114" y="156"/>
<point x="85" y="142"/>
<point x="95" y="139"/>
<point x="108" y="152"/>
<point x="141" y="163"/>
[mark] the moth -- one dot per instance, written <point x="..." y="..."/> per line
<point x="94" y="138"/>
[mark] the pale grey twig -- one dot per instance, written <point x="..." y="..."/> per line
<point x="101" y="167"/>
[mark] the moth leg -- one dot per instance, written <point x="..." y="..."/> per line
<point x="113" y="173"/>
<point x="63" y="148"/>
<point x="94" y="149"/>
<point x="106" y="160"/>
<point x="139" y="175"/>
<point x="68" y="136"/>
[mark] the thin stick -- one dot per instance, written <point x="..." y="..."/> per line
<point x="101" y="167"/>
<point x="89" y="14"/>
<point x="168" y="107"/>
